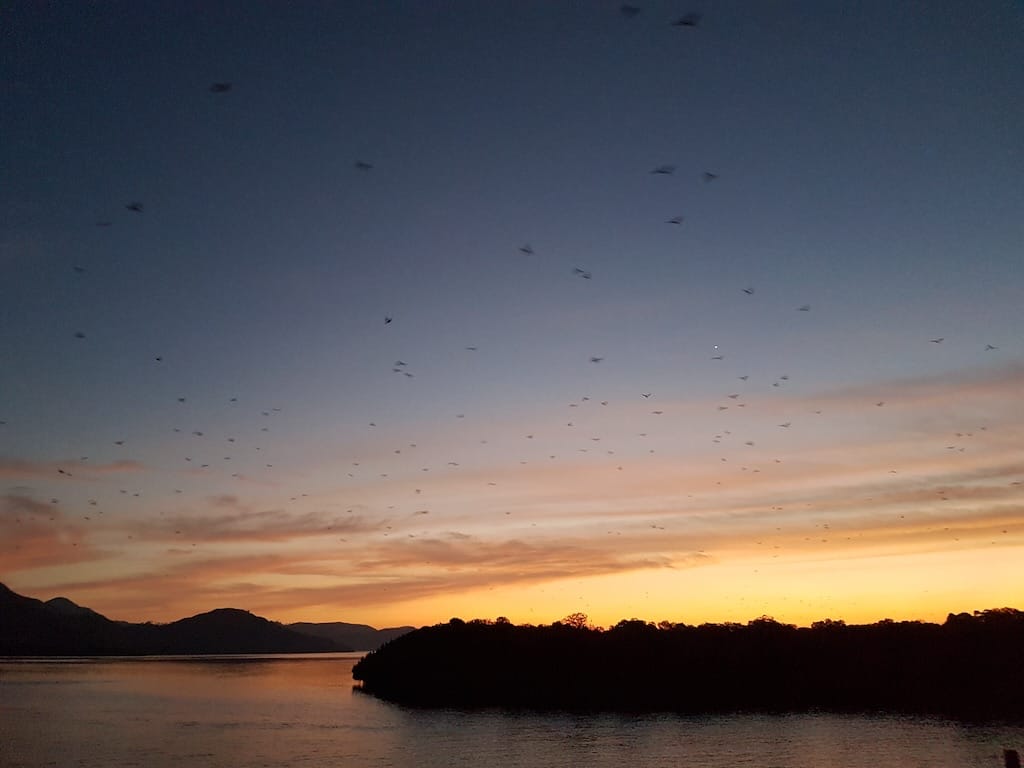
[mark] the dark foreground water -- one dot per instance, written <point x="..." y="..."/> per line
<point x="302" y="711"/>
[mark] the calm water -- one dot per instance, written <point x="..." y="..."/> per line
<point x="301" y="711"/>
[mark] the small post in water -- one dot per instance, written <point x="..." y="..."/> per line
<point x="1011" y="759"/>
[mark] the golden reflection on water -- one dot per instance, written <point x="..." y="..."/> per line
<point x="245" y="678"/>
<point x="277" y="712"/>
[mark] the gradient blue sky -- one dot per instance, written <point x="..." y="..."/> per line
<point x="869" y="160"/>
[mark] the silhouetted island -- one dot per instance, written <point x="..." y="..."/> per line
<point x="971" y="666"/>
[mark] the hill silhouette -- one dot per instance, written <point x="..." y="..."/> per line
<point x="229" y="630"/>
<point x="359" y="637"/>
<point x="59" y="627"/>
<point x="69" y="608"/>
<point x="970" y="666"/>
<point x="32" y="627"/>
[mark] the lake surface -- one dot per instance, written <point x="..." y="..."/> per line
<point x="301" y="711"/>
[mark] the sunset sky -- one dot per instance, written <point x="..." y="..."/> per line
<point x="805" y="399"/>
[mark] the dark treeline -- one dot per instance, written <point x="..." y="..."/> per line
<point x="971" y="666"/>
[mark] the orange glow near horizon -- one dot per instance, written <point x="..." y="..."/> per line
<point x="843" y="526"/>
<point x="420" y="313"/>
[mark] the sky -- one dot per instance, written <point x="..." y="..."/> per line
<point x="513" y="308"/>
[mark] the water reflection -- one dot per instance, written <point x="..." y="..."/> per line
<point x="218" y="712"/>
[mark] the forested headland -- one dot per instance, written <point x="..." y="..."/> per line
<point x="970" y="666"/>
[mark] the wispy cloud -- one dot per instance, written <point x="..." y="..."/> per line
<point x="36" y="534"/>
<point x="24" y="469"/>
<point x="947" y="475"/>
<point x="392" y="571"/>
<point x="231" y="522"/>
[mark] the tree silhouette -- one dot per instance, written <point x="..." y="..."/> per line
<point x="577" y="621"/>
<point x="970" y="666"/>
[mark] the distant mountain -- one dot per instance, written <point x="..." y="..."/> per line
<point x="59" y="627"/>
<point x="359" y="637"/>
<point x="68" y="608"/>
<point x="230" y="630"/>
<point x="32" y="627"/>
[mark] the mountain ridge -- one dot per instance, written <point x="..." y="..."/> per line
<point x="362" y="637"/>
<point x="61" y="627"/>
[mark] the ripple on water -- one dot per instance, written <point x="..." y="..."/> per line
<point x="304" y="713"/>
